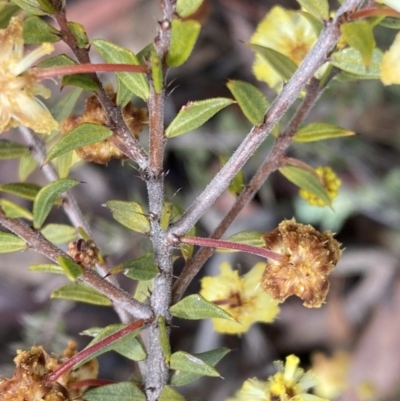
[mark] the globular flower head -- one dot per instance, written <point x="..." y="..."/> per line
<point x="102" y="152"/>
<point x="389" y="68"/>
<point x="19" y="86"/>
<point x="309" y="257"/>
<point x="242" y="297"/>
<point x="330" y="181"/>
<point x="289" y="383"/>
<point x="29" y="380"/>
<point x="287" y="32"/>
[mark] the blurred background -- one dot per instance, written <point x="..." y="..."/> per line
<point x="355" y="336"/>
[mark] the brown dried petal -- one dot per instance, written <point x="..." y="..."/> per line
<point x="310" y="257"/>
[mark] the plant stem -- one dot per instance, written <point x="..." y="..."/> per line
<point x="58" y="71"/>
<point x="223" y="244"/>
<point x="373" y="12"/>
<point x="270" y="164"/>
<point x="290" y="92"/>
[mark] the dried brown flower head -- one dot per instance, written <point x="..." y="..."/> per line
<point x="84" y="252"/>
<point x="29" y="380"/>
<point x="310" y="257"/>
<point x="102" y="152"/>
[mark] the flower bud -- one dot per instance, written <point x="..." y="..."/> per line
<point x="84" y="252"/>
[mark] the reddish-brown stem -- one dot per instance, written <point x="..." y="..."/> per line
<point x="218" y="243"/>
<point x="58" y="71"/>
<point x="373" y="12"/>
<point x="66" y="366"/>
<point x="91" y="383"/>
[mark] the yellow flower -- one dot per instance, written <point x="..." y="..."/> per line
<point x="395" y="4"/>
<point x="242" y="297"/>
<point x="331" y="373"/>
<point x="330" y="181"/>
<point x="289" y="384"/>
<point x="287" y="32"/>
<point x="309" y="257"/>
<point x="390" y="65"/>
<point x="18" y="84"/>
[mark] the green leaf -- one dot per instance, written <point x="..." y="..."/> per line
<point x="31" y="6"/>
<point x="212" y="357"/>
<point x="127" y="345"/>
<point x="130" y="214"/>
<point x="38" y="31"/>
<point x="350" y="60"/>
<point x="71" y="269"/>
<point x="253" y="238"/>
<point x="359" y="35"/>
<point x="282" y="65"/>
<point x="391" y="23"/>
<point x="305" y="179"/>
<point x="194" y="114"/>
<point x="27" y="165"/>
<point x="250" y="99"/>
<point x="79" y="32"/>
<point x="184" y="8"/>
<point x="21" y="189"/>
<point x="164" y="338"/>
<point x="124" y="94"/>
<point x="185" y="362"/>
<point x="316" y="24"/>
<point x="81" y="80"/>
<point x="112" y="53"/>
<point x="195" y="307"/>
<point x="123" y="391"/>
<point x="183" y="38"/>
<point x="82" y="135"/>
<point x="156" y="71"/>
<point x="237" y="184"/>
<point x="7" y="11"/>
<point x="170" y="394"/>
<point x="46" y="268"/>
<point x="59" y="233"/>
<point x="81" y="293"/>
<point x="11" y="150"/>
<point x="319" y="131"/>
<point x="65" y="106"/>
<point x="11" y="243"/>
<point x="14" y="211"/>
<point x="143" y="290"/>
<point x="318" y="8"/>
<point x="46" y="196"/>
<point x="143" y="268"/>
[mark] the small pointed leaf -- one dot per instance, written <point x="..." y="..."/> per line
<point x="82" y="135"/>
<point x="164" y="338"/>
<point x="318" y="8"/>
<point x="46" y="268"/>
<point x="194" y="114"/>
<point x="186" y="249"/>
<point x="183" y="38"/>
<point x="170" y="394"/>
<point x="14" y="211"/>
<point x="195" y="307"/>
<point x="141" y="269"/>
<point x="350" y="60"/>
<point x="79" y="33"/>
<point x="127" y="345"/>
<point x="130" y="214"/>
<point x="212" y="357"/>
<point x="46" y="196"/>
<point x="21" y="189"/>
<point x="359" y="36"/>
<point x="253" y="238"/>
<point x="11" y="150"/>
<point x="11" y="243"/>
<point x="65" y="106"/>
<point x="71" y="269"/>
<point x="81" y="293"/>
<point x="30" y="6"/>
<point x="156" y="71"/>
<point x="123" y="391"/>
<point x="250" y="99"/>
<point x="319" y="131"/>
<point x="306" y="180"/>
<point x="27" y="165"/>
<point x="38" y="31"/>
<point x="112" y="53"/>
<point x="185" y="8"/>
<point x="59" y="233"/>
<point x="237" y="184"/>
<point x="282" y="65"/>
<point x="183" y="361"/>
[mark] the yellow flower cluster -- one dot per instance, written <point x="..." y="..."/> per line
<point x="242" y="297"/>
<point x="289" y="383"/>
<point x="330" y="181"/>
<point x="389" y="68"/>
<point x="18" y="83"/>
